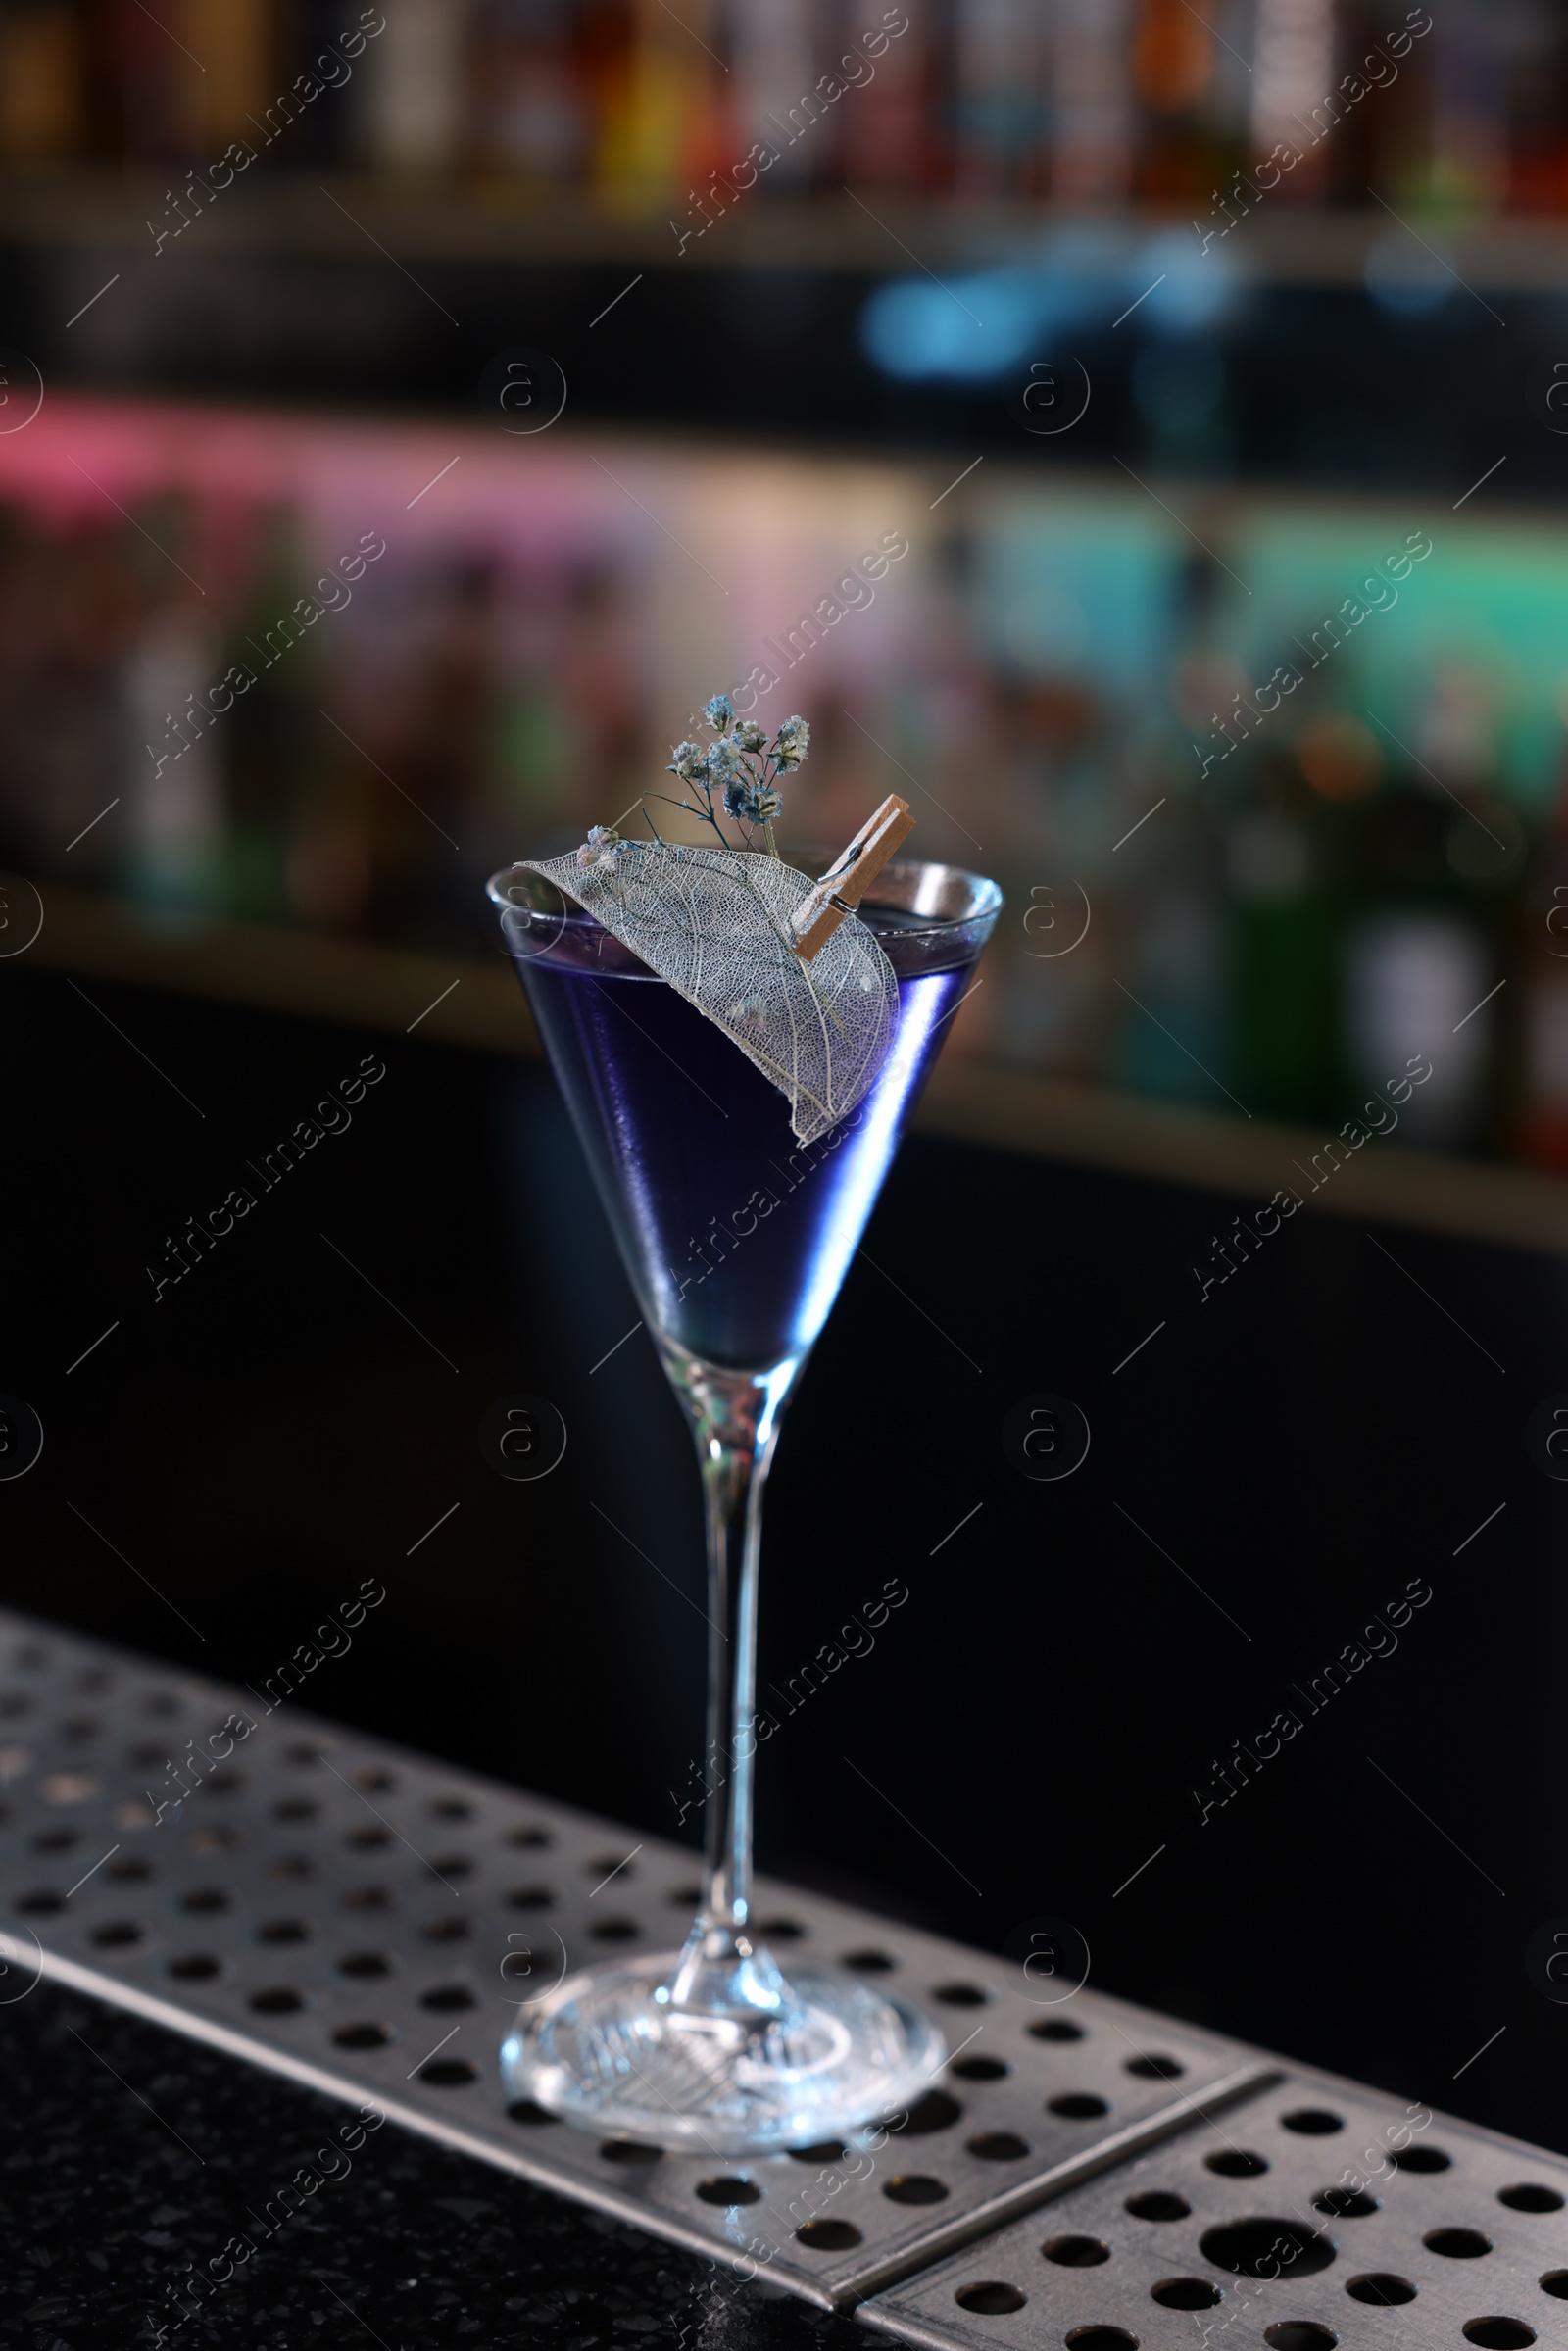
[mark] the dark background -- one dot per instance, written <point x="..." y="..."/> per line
<point x="1039" y="1711"/>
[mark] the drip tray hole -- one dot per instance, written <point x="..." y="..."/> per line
<point x="991" y="2298"/>
<point x="1158" y="2204"/>
<point x="1185" y="2293"/>
<point x="1380" y="2287"/>
<point x="1529" y="2198"/>
<point x="1266" y="2248"/>
<point x="828" y="2237"/>
<point x="1457" y="2244"/>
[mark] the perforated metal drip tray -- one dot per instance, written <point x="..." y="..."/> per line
<point x="1317" y="2213"/>
<point x="365" y="1921"/>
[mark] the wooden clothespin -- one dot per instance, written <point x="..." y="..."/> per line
<point x="846" y="879"/>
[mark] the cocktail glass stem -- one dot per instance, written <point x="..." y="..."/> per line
<point x="723" y="1972"/>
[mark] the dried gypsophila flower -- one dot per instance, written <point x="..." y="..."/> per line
<point x="601" y="847"/>
<point x="791" y="743"/>
<point x="750" y="802"/>
<point x="689" y="761"/>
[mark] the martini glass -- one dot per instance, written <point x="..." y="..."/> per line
<point x="736" y="1238"/>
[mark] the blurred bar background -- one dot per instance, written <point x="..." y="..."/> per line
<point x="1162" y="345"/>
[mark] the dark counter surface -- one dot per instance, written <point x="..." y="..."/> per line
<point x="131" y="2154"/>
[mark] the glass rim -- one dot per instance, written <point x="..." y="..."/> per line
<point x="984" y="894"/>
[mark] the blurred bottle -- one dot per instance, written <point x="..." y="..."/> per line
<point x="999" y="73"/>
<point x="1469" y="104"/>
<point x="173" y="786"/>
<point x="530" y="108"/>
<point x="1172" y="1042"/>
<point x="775" y="110"/>
<point x="1392" y="143"/>
<point x="1179" y="159"/>
<point x="138" y="90"/>
<point x="68" y="608"/>
<point x="237" y="78"/>
<point x="1295" y="100"/>
<point x="43" y="116"/>
<point x="606" y="36"/>
<point x="412" y="114"/>
<point x="1536" y="70"/>
<point x="1043" y="813"/>
<point x="1094" y="102"/>
<point x="1426" y="948"/>
<point x="1164" y="868"/>
<point x="298" y="839"/>
<point x="946" y="728"/>
<point x="658" y="131"/>
<point x="537" y="740"/>
<point x="264" y="737"/>
<point x="885" y="127"/>
<point x="1286" y="844"/>
<point x="600" y="659"/>
<point x="306" y="33"/>
<point x="1543" y="1126"/>
<point x="424" y="888"/>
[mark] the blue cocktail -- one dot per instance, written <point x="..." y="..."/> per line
<point x="736" y="1237"/>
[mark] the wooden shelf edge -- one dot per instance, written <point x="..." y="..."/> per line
<point x="435" y="997"/>
<point x="1384" y="1183"/>
<point x="285" y="213"/>
<point x="398" y="989"/>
